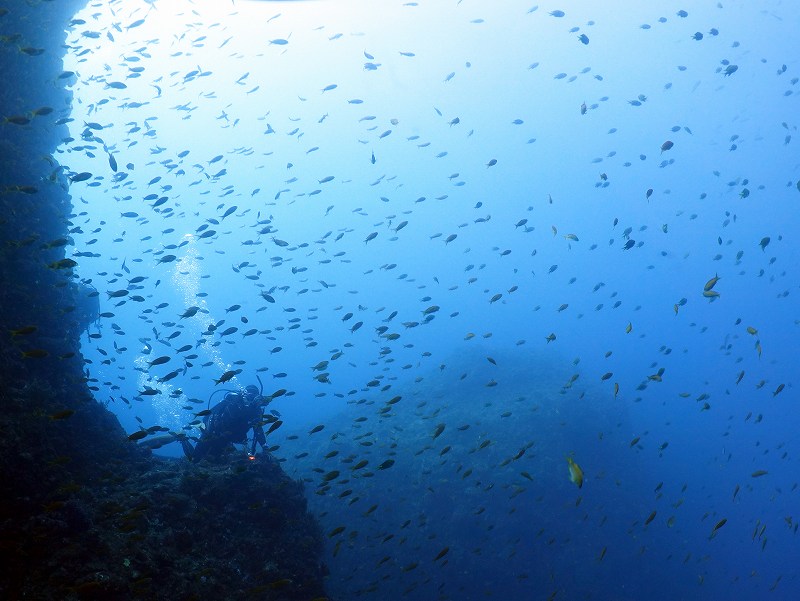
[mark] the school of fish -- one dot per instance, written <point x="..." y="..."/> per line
<point x="501" y="291"/>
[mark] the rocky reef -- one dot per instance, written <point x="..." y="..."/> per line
<point x="103" y="520"/>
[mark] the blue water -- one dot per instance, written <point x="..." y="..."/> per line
<point x="534" y="223"/>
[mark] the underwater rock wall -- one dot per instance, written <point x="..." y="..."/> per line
<point x="44" y="310"/>
<point x="85" y="513"/>
<point x="37" y="294"/>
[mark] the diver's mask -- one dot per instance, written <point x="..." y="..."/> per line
<point x="251" y="395"/>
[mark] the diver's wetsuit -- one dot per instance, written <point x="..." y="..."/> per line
<point x="229" y="422"/>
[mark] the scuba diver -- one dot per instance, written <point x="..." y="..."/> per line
<point x="228" y="423"/>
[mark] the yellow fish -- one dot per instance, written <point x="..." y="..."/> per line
<point x="711" y="283"/>
<point x="575" y="472"/>
<point x="23" y="331"/>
